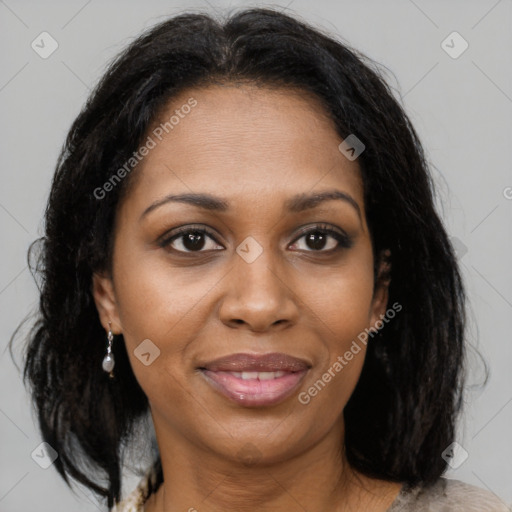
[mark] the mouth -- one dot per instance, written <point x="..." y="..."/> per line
<point x="255" y="380"/>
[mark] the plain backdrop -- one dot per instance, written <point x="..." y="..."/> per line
<point x="461" y="107"/>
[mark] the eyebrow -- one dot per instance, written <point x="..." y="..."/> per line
<point x="295" y="204"/>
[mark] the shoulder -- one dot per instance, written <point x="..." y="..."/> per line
<point x="447" y="495"/>
<point x="135" y="501"/>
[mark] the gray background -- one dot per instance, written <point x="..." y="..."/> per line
<point x="462" y="109"/>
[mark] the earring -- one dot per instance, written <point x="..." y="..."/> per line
<point x="108" y="360"/>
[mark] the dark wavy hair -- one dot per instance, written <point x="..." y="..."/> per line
<point x="403" y="412"/>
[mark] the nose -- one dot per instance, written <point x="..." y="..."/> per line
<point x="259" y="296"/>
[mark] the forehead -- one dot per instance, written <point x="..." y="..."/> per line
<point x="251" y="144"/>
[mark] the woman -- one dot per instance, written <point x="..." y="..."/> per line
<point x="241" y="242"/>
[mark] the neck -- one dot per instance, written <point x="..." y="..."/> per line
<point x="260" y="477"/>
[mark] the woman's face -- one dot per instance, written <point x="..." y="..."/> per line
<point x="266" y="278"/>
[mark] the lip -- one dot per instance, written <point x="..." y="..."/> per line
<point x="224" y="375"/>
<point x="244" y="362"/>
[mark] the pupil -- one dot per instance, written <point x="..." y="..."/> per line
<point x="194" y="241"/>
<point x="316" y="240"/>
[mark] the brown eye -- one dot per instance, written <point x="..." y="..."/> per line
<point x="191" y="240"/>
<point x="323" y="239"/>
<point x="317" y="240"/>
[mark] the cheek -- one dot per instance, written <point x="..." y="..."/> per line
<point x="347" y="314"/>
<point x="342" y="301"/>
<point x="166" y="306"/>
<point x="346" y="318"/>
<point x="342" y="311"/>
<point x="154" y="299"/>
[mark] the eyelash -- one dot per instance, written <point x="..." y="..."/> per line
<point x="344" y="241"/>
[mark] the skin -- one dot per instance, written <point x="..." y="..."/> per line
<point x="254" y="147"/>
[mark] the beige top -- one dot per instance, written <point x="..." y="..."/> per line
<point x="444" y="496"/>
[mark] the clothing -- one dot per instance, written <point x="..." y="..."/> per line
<point x="448" y="495"/>
<point x="444" y="496"/>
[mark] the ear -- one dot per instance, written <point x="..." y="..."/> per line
<point x="381" y="288"/>
<point x="106" y="303"/>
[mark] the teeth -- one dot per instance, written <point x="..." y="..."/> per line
<point x="249" y="375"/>
<point x="270" y="375"/>
<point x="258" y="375"/>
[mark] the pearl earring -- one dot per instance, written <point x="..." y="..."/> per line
<point x="108" y="360"/>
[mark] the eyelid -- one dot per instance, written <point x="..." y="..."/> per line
<point x="343" y="239"/>
<point x="167" y="238"/>
<point x="321" y="226"/>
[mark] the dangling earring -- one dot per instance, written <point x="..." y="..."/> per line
<point x="108" y="360"/>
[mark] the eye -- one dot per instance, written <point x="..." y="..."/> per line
<point x="317" y="240"/>
<point x="191" y="239"/>
<point x="320" y="238"/>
